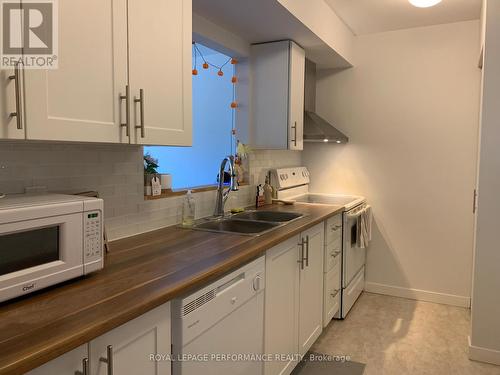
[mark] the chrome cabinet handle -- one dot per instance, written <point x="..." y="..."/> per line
<point x="18" y="113"/>
<point x="85" y="368"/>
<point x="256" y="283"/>
<point x="307" y="251"/>
<point x="109" y="359"/>
<point x="334" y="293"/>
<point x="301" y="261"/>
<point x="140" y="100"/>
<point x="294" y="127"/>
<point x="126" y="97"/>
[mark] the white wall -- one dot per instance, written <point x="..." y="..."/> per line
<point x="116" y="172"/>
<point x="410" y="108"/>
<point x="485" y="332"/>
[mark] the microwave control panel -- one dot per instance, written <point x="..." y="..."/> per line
<point x="92" y="235"/>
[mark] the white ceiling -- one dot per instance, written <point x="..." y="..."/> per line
<point x="374" y="16"/>
<point x="258" y="21"/>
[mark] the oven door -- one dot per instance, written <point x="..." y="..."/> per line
<point x="354" y="258"/>
<point x="38" y="252"/>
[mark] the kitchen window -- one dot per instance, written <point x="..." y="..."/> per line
<point x="213" y="94"/>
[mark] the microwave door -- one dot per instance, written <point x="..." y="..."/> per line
<point x="30" y="248"/>
<point x="39" y="252"/>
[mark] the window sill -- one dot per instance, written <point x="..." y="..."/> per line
<point x="169" y="193"/>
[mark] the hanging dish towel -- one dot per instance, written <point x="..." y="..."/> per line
<point x="365" y="227"/>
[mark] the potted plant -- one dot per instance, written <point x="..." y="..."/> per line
<point x="150" y="171"/>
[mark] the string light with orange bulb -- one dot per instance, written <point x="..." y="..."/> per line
<point x="207" y="64"/>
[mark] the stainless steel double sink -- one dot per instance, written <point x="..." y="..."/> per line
<point x="250" y="223"/>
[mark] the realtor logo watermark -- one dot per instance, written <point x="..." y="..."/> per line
<point x="29" y="34"/>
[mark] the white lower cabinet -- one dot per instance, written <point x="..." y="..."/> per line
<point x="332" y="262"/>
<point x="294" y="299"/>
<point x="69" y="363"/>
<point x="331" y="303"/>
<point x="282" y="305"/>
<point x="129" y="349"/>
<point x="311" y="289"/>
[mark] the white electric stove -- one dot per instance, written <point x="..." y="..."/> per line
<point x="292" y="184"/>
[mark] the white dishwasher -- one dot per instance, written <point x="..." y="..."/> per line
<point x="220" y="328"/>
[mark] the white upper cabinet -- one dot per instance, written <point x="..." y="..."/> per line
<point x="123" y="76"/>
<point x="296" y="98"/>
<point x="11" y="127"/>
<point x="11" y="119"/>
<point x="160" y="42"/>
<point x="80" y="101"/>
<point x="278" y="95"/>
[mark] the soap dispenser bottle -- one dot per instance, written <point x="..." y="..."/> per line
<point x="188" y="210"/>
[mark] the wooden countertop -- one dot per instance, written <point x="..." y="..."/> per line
<point x="141" y="273"/>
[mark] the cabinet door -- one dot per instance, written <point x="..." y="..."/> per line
<point x="281" y="305"/>
<point x="331" y="299"/>
<point x="311" y="288"/>
<point x="9" y="128"/>
<point x="80" y="101"/>
<point x="296" y="98"/>
<point x="160" y="42"/>
<point x="68" y="363"/>
<point x="270" y="65"/>
<point x="133" y="344"/>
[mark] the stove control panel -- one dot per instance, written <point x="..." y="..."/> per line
<point x="285" y="178"/>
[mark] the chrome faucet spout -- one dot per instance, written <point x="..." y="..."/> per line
<point x="223" y="194"/>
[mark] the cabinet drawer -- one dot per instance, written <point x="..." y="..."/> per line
<point x="333" y="253"/>
<point x="333" y="228"/>
<point x="331" y="298"/>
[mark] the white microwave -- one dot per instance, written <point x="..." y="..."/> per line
<point x="46" y="239"/>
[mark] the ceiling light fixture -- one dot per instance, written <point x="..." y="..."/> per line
<point x="424" y="3"/>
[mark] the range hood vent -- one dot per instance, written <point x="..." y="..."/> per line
<point x="316" y="128"/>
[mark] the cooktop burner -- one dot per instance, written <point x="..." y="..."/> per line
<point x="348" y="201"/>
<point x="293" y="184"/>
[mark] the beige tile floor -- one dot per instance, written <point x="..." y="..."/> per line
<point x="399" y="336"/>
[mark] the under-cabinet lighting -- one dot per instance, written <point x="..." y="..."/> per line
<point x="424" y="3"/>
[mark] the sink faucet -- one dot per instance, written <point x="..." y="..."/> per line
<point x="221" y="194"/>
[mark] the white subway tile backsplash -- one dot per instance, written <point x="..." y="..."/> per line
<point x="116" y="172"/>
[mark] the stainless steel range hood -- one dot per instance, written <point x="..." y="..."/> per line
<point x="317" y="129"/>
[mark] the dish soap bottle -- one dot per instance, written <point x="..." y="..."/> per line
<point x="188" y="210"/>
<point x="268" y="192"/>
